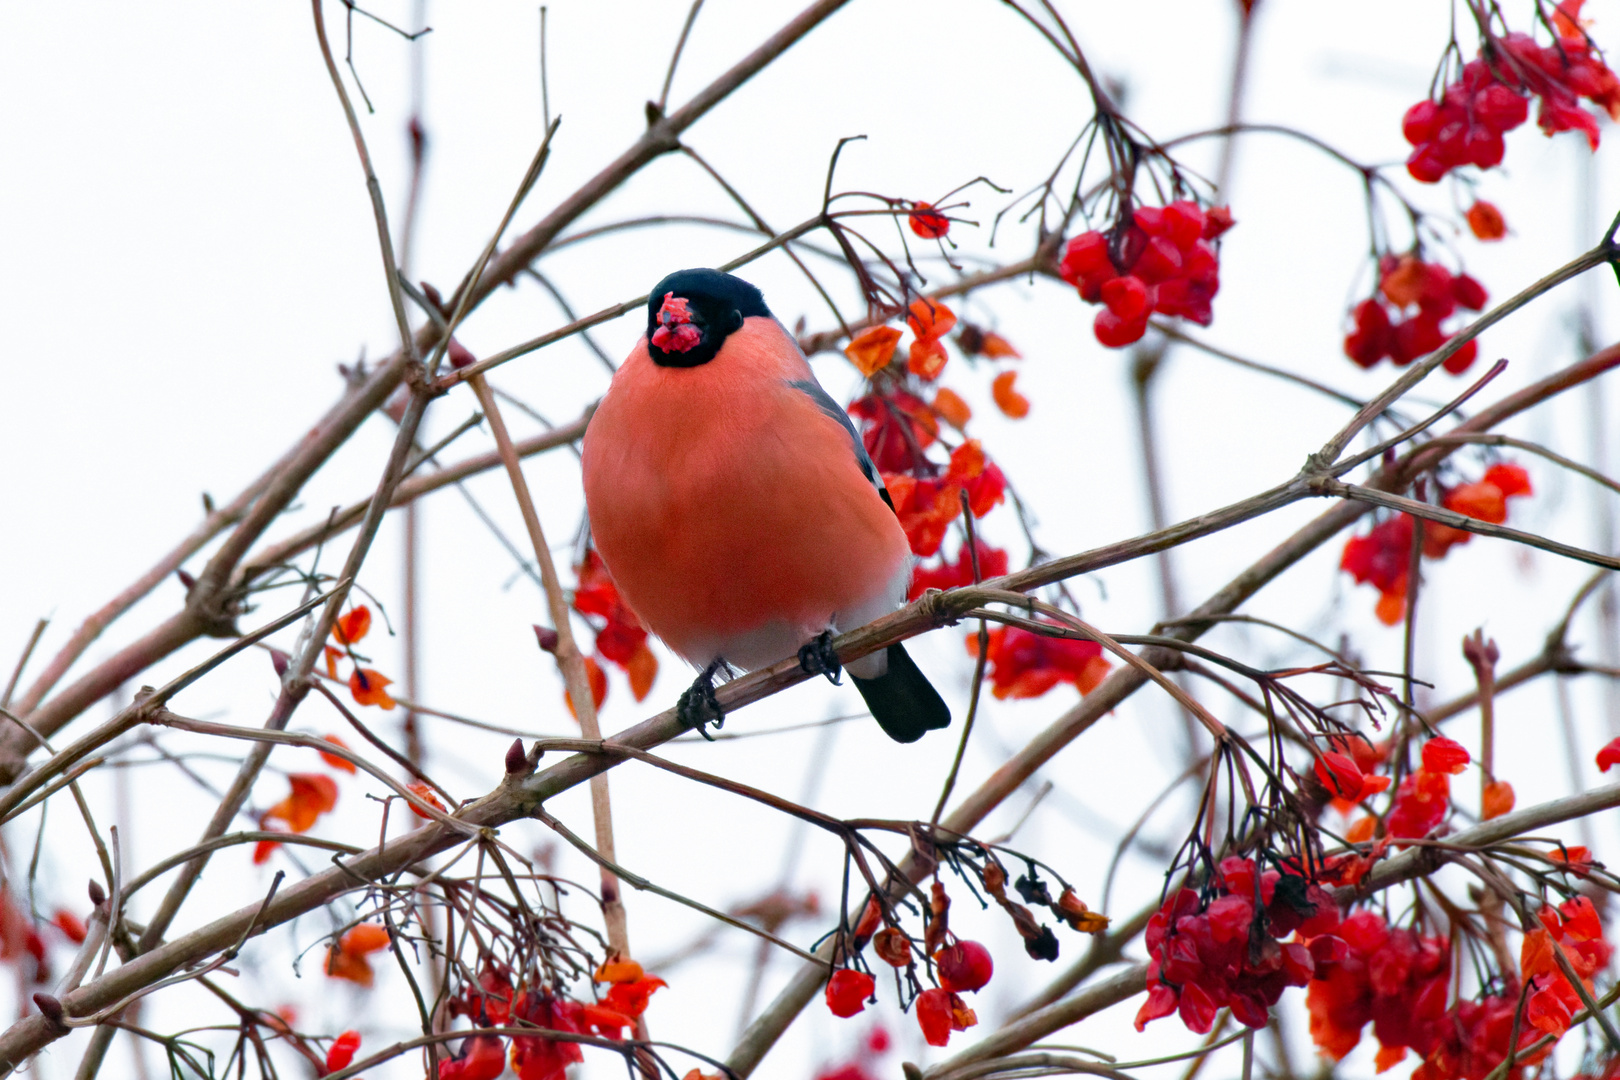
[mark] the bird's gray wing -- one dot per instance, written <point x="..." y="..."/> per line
<point x="826" y="404"/>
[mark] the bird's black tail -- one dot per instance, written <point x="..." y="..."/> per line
<point x="903" y="701"/>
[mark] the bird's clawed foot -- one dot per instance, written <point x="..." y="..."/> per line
<point x="820" y="658"/>
<point x="698" y="707"/>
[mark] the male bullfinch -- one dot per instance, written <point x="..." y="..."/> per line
<point x="737" y="510"/>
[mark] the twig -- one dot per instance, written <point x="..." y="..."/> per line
<point x="569" y="659"/>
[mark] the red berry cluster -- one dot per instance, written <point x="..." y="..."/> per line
<point x="1383" y="556"/>
<point x="993" y="562"/>
<point x="1397" y="979"/>
<point x="1222" y="948"/>
<point x="621" y="640"/>
<point x="495" y="1002"/>
<point x="1024" y="664"/>
<point x="1424" y="798"/>
<point x="1417" y="297"/>
<point x="1161" y="261"/>
<point x="1491" y="97"/>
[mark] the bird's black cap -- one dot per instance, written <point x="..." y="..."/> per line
<point x="715" y="305"/>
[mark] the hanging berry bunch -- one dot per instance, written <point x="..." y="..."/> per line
<point x="1157" y="259"/>
<point x="1402" y="320"/>
<point x="1382" y="557"/>
<point x="1220" y="946"/>
<point x="1491" y="96"/>
<point x="955" y="965"/>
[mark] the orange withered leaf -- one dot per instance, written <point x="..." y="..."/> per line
<point x="1486" y="222"/>
<point x="598" y="681"/>
<point x="1007" y="399"/>
<point x="930" y="318"/>
<point x="643" y="671"/>
<point x="366" y="686"/>
<point x="1079" y="916"/>
<point x="997" y="347"/>
<point x="618" y="970"/>
<point x="70" y="925"/>
<point x="352" y="627"/>
<point x="892" y="946"/>
<point x="1361" y="830"/>
<point x="926" y="358"/>
<point x="425" y="793"/>
<point x="872" y="349"/>
<point x="312" y="795"/>
<point x="630" y="998"/>
<point x="967" y="461"/>
<point x="339" y="763"/>
<point x="347" y="959"/>
<point x="263" y="850"/>
<point x="949" y="404"/>
<point x="1497" y="800"/>
<point x="333" y="654"/>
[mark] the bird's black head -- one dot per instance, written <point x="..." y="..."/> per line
<point x="692" y="312"/>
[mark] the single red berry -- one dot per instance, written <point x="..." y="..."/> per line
<point x="927" y="222"/>
<point x="848" y="991"/>
<point x="1444" y="755"/>
<point x="1116" y="332"/>
<point x="1463" y="359"/>
<point x="964" y="966"/>
<point x="1126" y="297"/>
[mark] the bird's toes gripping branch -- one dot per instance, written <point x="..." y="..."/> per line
<point x="698" y="707"/>
<point x="820" y="658"/>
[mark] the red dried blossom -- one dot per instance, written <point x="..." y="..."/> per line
<point x="927" y="222"/>
<point x="940" y="1012"/>
<point x="926" y="358"/>
<point x="1491" y="97"/>
<point x="897" y="427"/>
<point x="482" y="1057"/>
<point x="993" y="562"/>
<point x="1022" y="664"/>
<point x="597" y="678"/>
<point x="1225" y="953"/>
<point x="1444" y="755"/>
<point x="926" y="507"/>
<point x="930" y="319"/>
<point x="1421" y="803"/>
<point x="1381" y="559"/>
<point x="341" y="1052"/>
<point x="540" y="1058"/>
<point x="1397" y="979"/>
<point x="848" y="990"/>
<point x="71" y="925"/>
<point x="1609" y="756"/>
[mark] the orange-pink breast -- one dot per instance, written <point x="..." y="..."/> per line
<point x="722" y="499"/>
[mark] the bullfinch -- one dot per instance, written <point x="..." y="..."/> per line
<point x="736" y="508"/>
